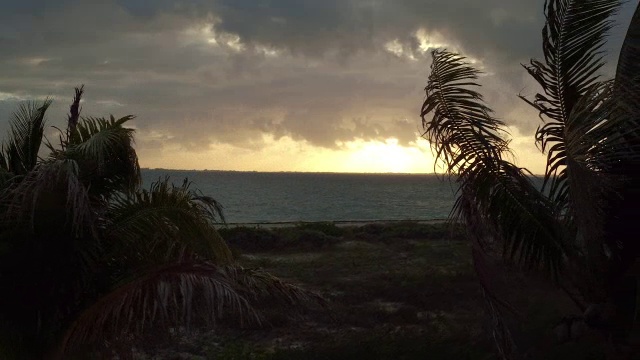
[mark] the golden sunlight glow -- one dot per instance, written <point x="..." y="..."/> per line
<point x="387" y="156"/>
<point x="267" y="51"/>
<point x="394" y="47"/>
<point x="207" y="33"/>
<point x="429" y="40"/>
<point x="200" y="33"/>
<point x="286" y="154"/>
<point x="12" y="97"/>
<point x="525" y="152"/>
<point x="399" y="49"/>
<point x="233" y="41"/>
<point x="35" y="61"/>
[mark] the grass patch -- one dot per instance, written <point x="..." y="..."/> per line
<point x="324" y="235"/>
<point x="301" y="237"/>
<point x="396" y="291"/>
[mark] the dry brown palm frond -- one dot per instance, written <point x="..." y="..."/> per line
<point x="184" y="294"/>
<point x="59" y="178"/>
<point x="500" y="331"/>
<point x="175" y="295"/>
<point x="263" y="285"/>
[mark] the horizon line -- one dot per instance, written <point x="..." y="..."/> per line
<point x="308" y="172"/>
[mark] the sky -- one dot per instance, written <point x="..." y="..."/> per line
<point x="273" y="85"/>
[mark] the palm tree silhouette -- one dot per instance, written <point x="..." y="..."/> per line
<point x="87" y="256"/>
<point x="580" y="227"/>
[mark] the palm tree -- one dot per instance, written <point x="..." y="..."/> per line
<point x="87" y="256"/>
<point x="580" y="226"/>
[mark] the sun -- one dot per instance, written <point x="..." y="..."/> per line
<point x="287" y="154"/>
<point x="388" y="156"/>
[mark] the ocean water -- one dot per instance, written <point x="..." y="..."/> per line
<point x="255" y="197"/>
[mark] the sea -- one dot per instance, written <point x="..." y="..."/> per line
<point x="289" y="197"/>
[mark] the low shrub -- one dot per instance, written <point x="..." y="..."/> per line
<point x="250" y="240"/>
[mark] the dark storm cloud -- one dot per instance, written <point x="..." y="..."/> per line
<point x="200" y="72"/>
<point x="313" y="26"/>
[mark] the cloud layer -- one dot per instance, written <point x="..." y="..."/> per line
<point x="201" y="74"/>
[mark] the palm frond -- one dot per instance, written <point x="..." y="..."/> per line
<point x="495" y="198"/>
<point x="5" y="176"/>
<point x="104" y="149"/>
<point x="184" y="294"/>
<point x="461" y="131"/>
<point x="262" y="285"/>
<point x="47" y="224"/>
<point x="164" y="222"/>
<point x="502" y="337"/>
<point x="181" y="294"/>
<point x="49" y="187"/>
<point x="74" y="111"/>
<point x="620" y="135"/>
<point x="90" y="127"/>
<point x="20" y="153"/>
<point x="573" y="36"/>
<point x="514" y="213"/>
<point x="628" y="70"/>
<point x="587" y="183"/>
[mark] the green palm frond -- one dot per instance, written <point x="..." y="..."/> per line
<point x="573" y="36"/>
<point x="104" y="149"/>
<point x="164" y="222"/>
<point x="20" y="153"/>
<point x="495" y="198"/>
<point x="179" y="294"/>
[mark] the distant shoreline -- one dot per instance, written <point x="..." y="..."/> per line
<point x="295" y="172"/>
<point x="443" y="176"/>
<point x="278" y="224"/>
